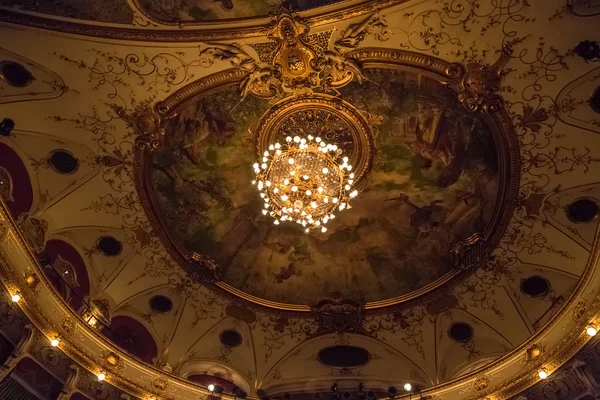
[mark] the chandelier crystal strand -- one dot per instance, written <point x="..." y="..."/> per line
<point x="305" y="181"/>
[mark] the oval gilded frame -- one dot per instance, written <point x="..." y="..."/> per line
<point x="444" y="72"/>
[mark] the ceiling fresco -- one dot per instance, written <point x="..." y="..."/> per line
<point x="113" y="11"/>
<point x="219" y="10"/>
<point x="434" y="182"/>
<point x="467" y="263"/>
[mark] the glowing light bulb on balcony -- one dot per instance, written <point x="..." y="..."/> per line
<point x="211" y="387"/>
<point x="54" y="342"/>
<point x="407" y="387"/>
<point x="591" y="331"/>
<point x="101" y="376"/>
<point x="542" y="374"/>
<point x="15" y="298"/>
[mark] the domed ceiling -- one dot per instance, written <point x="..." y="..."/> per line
<point x="461" y="256"/>
<point x="434" y="181"/>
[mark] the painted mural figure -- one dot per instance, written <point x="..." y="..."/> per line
<point x="211" y="10"/>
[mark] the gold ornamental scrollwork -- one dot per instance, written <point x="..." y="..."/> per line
<point x="294" y="61"/>
<point x="146" y="124"/>
<point x="477" y="85"/>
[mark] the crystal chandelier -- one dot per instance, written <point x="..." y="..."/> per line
<point x="304" y="181"/>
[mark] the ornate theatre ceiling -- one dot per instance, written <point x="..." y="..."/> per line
<point x="461" y="257"/>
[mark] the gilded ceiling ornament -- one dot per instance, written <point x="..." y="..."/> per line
<point x="145" y="123"/>
<point x="160" y="384"/>
<point x="68" y="325"/>
<point x="478" y="84"/>
<point x="204" y="268"/>
<point x="533" y="352"/>
<point x="34" y="231"/>
<point x="338" y="315"/>
<point x="481" y="383"/>
<point x="470" y="252"/>
<point x="294" y="61"/>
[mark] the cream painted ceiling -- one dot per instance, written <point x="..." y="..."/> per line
<point x="545" y="92"/>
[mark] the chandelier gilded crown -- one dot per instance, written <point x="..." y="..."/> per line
<point x="305" y="181"/>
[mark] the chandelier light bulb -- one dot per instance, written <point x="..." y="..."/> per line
<point x="15" y="298"/>
<point x="291" y="161"/>
<point x="542" y="374"/>
<point x="591" y="331"/>
<point x="297" y="139"/>
<point x="323" y="229"/>
<point x="308" y="192"/>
